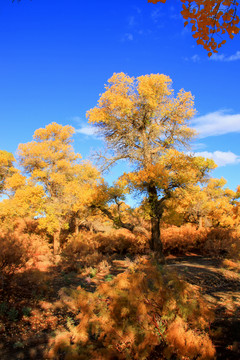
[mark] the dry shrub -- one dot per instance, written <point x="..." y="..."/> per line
<point x="13" y="252"/>
<point x="217" y="242"/>
<point x="41" y="320"/>
<point x="90" y="249"/>
<point x="222" y="243"/>
<point x="129" y="316"/>
<point x="80" y="250"/>
<point x="180" y="240"/>
<point x="188" y="343"/>
<point x="121" y="241"/>
<point x="20" y="248"/>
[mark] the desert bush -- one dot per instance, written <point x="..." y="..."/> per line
<point x="180" y="240"/>
<point x="121" y="241"/>
<point x="222" y="243"/>
<point x="79" y="251"/>
<point x="19" y="248"/>
<point x="217" y="242"/>
<point x="87" y="249"/>
<point x="126" y="318"/>
<point x="13" y="252"/>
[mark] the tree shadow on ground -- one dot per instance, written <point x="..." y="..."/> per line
<point x="221" y="290"/>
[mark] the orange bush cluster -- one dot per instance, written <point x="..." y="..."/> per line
<point x="13" y="253"/>
<point x="218" y="242"/>
<point x="90" y="248"/>
<point x="21" y="246"/>
<point x="127" y="317"/>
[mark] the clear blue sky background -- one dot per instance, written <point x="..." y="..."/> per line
<point x="56" y="56"/>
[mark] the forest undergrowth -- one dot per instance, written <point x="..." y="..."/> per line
<point x="107" y="297"/>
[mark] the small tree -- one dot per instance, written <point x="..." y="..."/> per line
<point x="50" y="161"/>
<point x="211" y="204"/>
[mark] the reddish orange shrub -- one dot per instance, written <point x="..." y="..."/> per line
<point x="122" y="241"/>
<point x="222" y="243"/>
<point x="19" y="248"/>
<point x="217" y="242"/>
<point x="80" y="250"/>
<point x="13" y="253"/>
<point x="90" y="249"/>
<point x="180" y="240"/>
<point x="128" y="316"/>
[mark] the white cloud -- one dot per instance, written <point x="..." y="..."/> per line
<point x="222" y="57"/>
<point x="76" y="119"/>
<point x="195" y="58"/>
<point x="127" y="37"/>
<point x="221" y="158"/>
<point x="198" y="146"/>
<point x="138" y="10"/>
<point x="175" y="14"/>
<point x="156" y="14"/>
<point x="87" y="130"/>
<point x="216" y="123"/>
<point x="131" y="21"/>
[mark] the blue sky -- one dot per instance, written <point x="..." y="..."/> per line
<point x="56" y="56"/>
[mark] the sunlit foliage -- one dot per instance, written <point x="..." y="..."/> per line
<point x="6" y="167"/>
<point x="142" y="121"/>
<point x="208" y="205"/>
<point x="49" y="161"/>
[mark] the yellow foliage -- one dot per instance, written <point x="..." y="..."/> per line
<point x="143" y="122"/>
<point x="212" y="203"/>
<point x="6" y="168"/>
<point x="54" y="168"/>
<point x="121" y="108"/>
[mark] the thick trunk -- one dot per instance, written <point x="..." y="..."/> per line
<point x="76" y="226"/>
<point x="200" y="222"/>
<point x="56" y="242"/>
<point x="156" y="243"/>
<point x="156" y="214"/>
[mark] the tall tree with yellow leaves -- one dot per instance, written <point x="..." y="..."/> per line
<point x="143" y="122"/>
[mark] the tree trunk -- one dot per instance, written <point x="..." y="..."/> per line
<point x="200" y="222"/>
<point x="156" y="243"/>
<point x="76" y="226"/>
<point x="56" y="242"/>
<point x="156" y="214"/>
